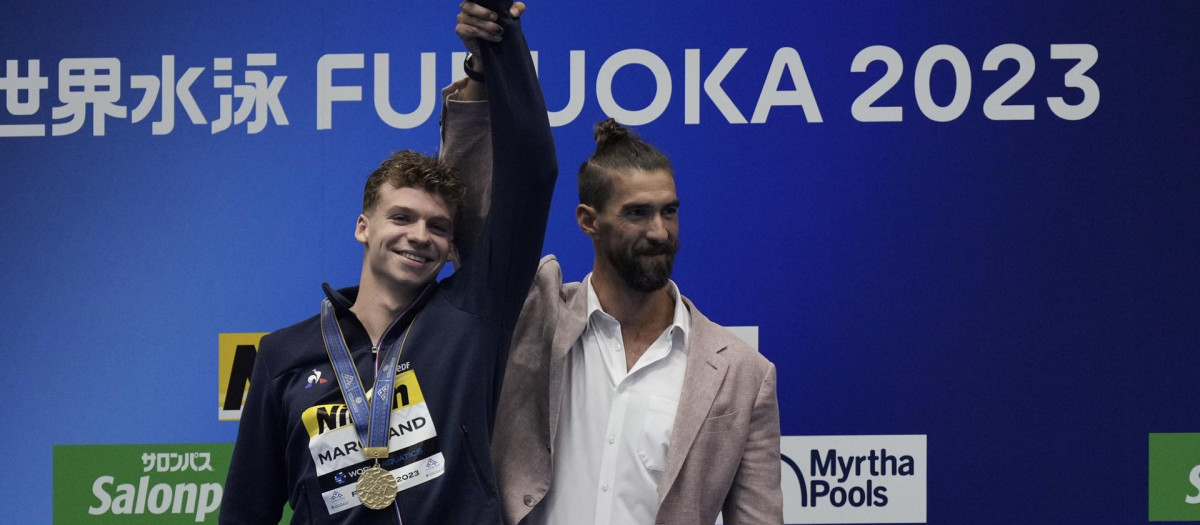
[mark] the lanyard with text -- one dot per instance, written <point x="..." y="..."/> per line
<point x="376" y="487"/>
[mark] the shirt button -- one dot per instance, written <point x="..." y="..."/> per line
<point x="604" y="487"/>
<point x="611" y="440"/>
<point x="528" y="500"/>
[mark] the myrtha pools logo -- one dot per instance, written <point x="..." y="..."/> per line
<point x="854" y="479"/>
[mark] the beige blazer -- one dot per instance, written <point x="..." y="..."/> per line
<point x="724" y="449"/>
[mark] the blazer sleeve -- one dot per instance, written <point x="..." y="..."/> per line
<point x="755" y="496"/>
<point x="467" y="145"/>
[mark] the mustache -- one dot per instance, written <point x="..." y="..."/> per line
<point x="665" y="248"/>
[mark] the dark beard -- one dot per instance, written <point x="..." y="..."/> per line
<point x="639" y="271"/>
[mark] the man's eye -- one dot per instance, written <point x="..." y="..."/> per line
<point x="670" y="212"/>
<point x="636" y="213"/>
<point x="400" y="218"/>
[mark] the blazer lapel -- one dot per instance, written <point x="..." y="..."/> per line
<point x="571" y="322"/>
<point x="705" y="371"/>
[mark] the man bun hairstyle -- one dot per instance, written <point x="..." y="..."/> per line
<point x="617" y="149"/>
<point x="407" y="168"/>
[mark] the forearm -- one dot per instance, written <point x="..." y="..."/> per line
<point x="471" y="91"/>
<point x="522" y="140"/>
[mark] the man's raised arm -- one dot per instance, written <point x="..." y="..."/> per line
<point x="524" y="169"/>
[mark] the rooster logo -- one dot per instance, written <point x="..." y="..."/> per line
<point x="315" y="379"/>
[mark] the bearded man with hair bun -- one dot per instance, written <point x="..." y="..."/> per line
<point x="621" y="402"/>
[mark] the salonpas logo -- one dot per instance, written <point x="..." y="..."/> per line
<point x="139" y="483"/>
<point x="854" y="479"/>
<point x="1174" y="477"/>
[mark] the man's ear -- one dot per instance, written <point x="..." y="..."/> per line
<point x="360" y="229"/>
<point x="586" y="217"/>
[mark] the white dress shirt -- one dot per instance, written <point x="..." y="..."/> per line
<point x="611" y="446"/>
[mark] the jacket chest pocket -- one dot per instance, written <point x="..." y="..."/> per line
<point x="656" y="433"/>
<point x="724" y="422"/>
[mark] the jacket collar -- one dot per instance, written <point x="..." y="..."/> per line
<point x="343" y="298"/>
<point x="680" y="317"/>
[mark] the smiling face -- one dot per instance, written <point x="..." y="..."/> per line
<point x="407" y="234"/>
<point x="636" y="230"/>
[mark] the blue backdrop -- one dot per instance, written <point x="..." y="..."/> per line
<point x="1023" y="292"/>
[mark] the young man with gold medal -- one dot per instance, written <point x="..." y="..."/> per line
<point x="381" y="408"/>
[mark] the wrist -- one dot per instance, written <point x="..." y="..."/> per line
<point x="473" y="68"/>
<point x="472" y="91"/>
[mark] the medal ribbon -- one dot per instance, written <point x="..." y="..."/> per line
<point x="371" y="418"/>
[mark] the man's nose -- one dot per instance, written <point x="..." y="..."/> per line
<point x="418" y="232"/>
<point x="656" y="230"/>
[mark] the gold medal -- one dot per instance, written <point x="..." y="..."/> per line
<point x="376" y="488"/>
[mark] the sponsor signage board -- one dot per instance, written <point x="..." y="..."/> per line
<point x="854" y="479"/>
<point x="123" y="484"/>
<point x="235" y="361"/>
<point x="1174" y="477"/>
